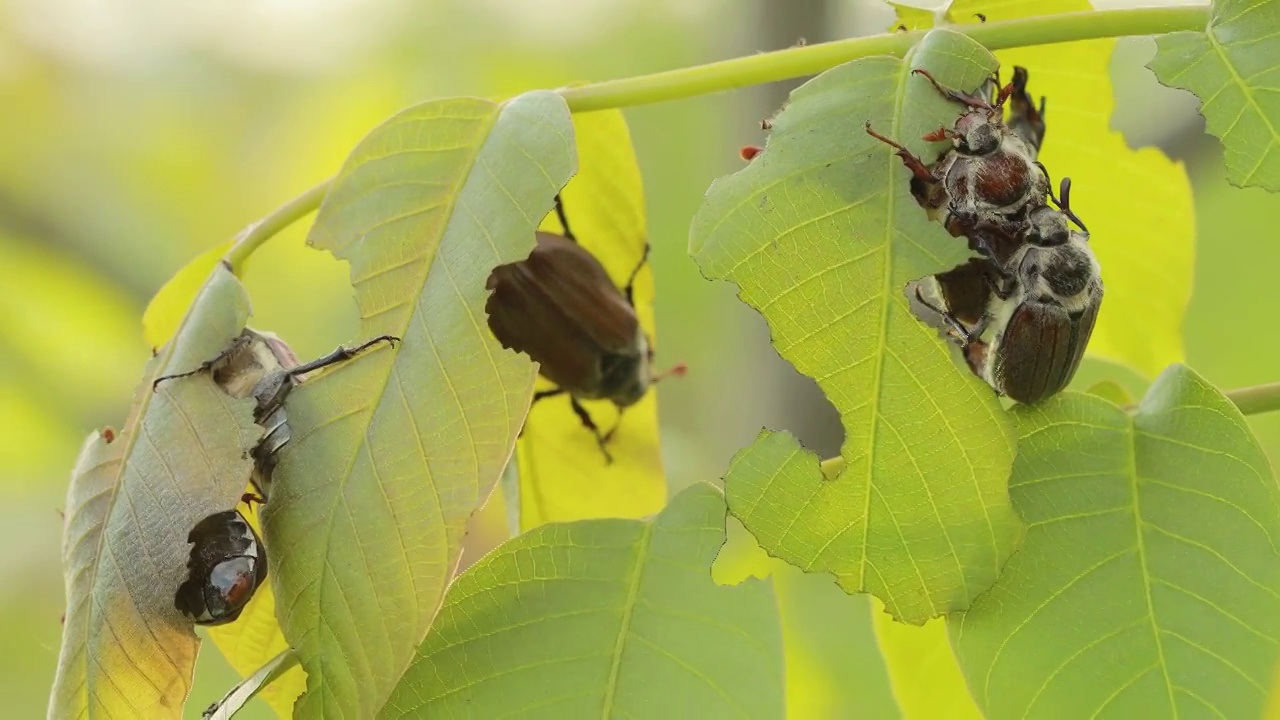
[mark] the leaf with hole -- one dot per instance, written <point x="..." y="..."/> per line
<point x="1149" y="583"/>
<point x="820" y="234"/>
<point x="1232" y="68"/>
<point x="393" y="452"/>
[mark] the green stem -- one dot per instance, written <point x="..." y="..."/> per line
<point x="812" y="59"/>
<point x="284" y="216"/>
<point x="1257" y="399"/>
<point x="791" y="63"/>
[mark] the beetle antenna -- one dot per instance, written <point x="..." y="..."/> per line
<point x="1065" y="203"/>
<point x="677" y="370"/>
<point x="631" y="281"/>
<point x="564" y="220"/>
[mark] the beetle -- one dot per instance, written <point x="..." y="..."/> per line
<point x="227" y="564"/>
<point x="1022" y="328"/>
<point x="984" y="186"/>
<point x="560" y="307"/>
<point x="259" y="364"/>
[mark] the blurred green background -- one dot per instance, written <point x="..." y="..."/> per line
<point x="137" y="134"/>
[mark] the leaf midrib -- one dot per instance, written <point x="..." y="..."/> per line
<point x="628" y="610"/>
<point x="482" y="133"/>
<point x="122" y="464"/>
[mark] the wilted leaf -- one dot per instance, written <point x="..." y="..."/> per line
<point x="1232" y="68"/>
<point x="821" y="235"/>
<point x="1149" y="584"/>
<point x="926" y="680"/>
<point x="603" y="618"/>
<point x="255" y="638"/>
<point x="169" y="305"/>
<point x="563" y="474"/>
<point x="134" y="495"/>
<point x="392" y="454"/>
<point x="1137" y="203"/>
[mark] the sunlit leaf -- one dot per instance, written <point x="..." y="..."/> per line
<point x="255" y="638"/>
<point x="563" y="474"/>
<point x="1232" y="68"/>
<point x="926" y="679"/>
<point x="1149" y="584"/>
<point x="820" y="234"/>
<point x="603" y="618"/>
<point x="911" y="16"/>
<point x="1137" y="203"/>
<point x="392" y="454"/>
<point x="169" y="305"/>
<point x="267" y="675"/>
<point x="135" y="494"/>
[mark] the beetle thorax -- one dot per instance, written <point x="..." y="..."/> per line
<point x="1063" y="274"/>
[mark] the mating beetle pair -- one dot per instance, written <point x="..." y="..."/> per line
<point x="228" y="561"/>
<point x="1024" y="311"/>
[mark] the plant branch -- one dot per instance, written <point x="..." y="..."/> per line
<point x="790" y="63"/>
<point x="266" y="228"/>
<point x="813" y="59"/>
<point x="1257" y="399"/>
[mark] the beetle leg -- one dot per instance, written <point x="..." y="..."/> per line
<point x="940" y="134"/>
<point x="956" y="326"/>
<point x="564" y="220"/>
<point x="252" y="497"/>
<point x="953" y="95"/>
<point x="631" y="281"/>
<point x="913" y="163"/>
<point x="590" y="424"/>
<point x="342" y="353"/>
<point x="1000" y="282"/>
<point x="204" y="366"/>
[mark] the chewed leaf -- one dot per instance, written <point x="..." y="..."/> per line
<point x="135" y="494"/>
<point x="563" y="473"/>
<point x="392" y="453"/>
<point x="1149" y="584"/>
<point x="255" y="638"/>
<point x="164" y="313"/>
<point x="603" y="618"/>
<point x="1137" y="204"/>
<point x="1231" y="67"/>
<point x="820" y="233"/>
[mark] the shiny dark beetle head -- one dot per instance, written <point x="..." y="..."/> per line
<point x="226" y="566"/>
<point x="560" y="307"/>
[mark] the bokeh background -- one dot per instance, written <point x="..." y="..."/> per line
<point x="136" y="133"/>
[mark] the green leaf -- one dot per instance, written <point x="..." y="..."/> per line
<point x="1149" y="584"/>
<point x="821" y="235"/>
<point x="1232" y="68"/>
<point x="393" y="453"/>
<point x="169" y="305"/>
<point x="603" y="618"/>
<point x="134" y="496"/>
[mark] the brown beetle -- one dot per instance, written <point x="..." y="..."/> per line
<point x="986" y="183"/>
<point x="1023" y="327"/>
<point x="560" y="307"/>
